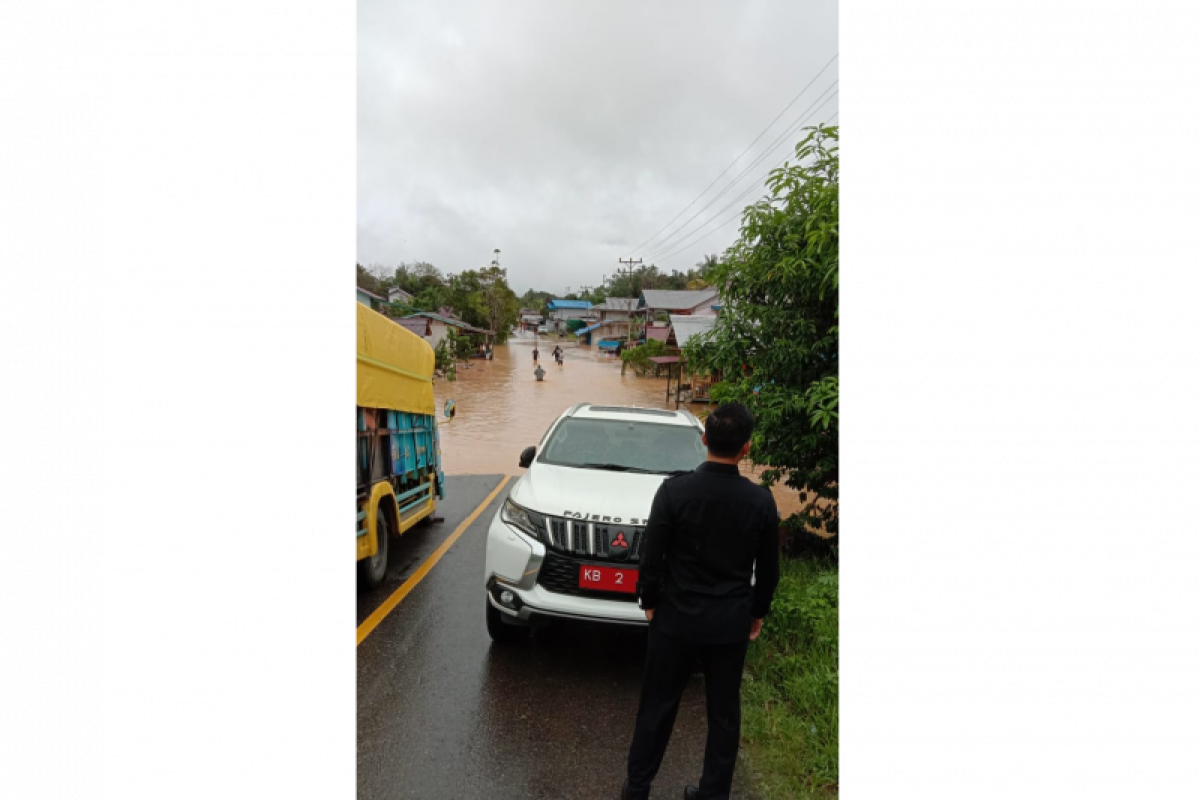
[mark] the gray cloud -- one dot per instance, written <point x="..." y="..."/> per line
<point x="566" y="133"/>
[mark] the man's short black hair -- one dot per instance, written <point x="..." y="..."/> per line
<point x="728" y="428"/>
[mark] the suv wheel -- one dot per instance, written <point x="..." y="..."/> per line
<point x="501" y="631"/>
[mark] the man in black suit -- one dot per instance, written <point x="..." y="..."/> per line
<point x="709" y="531"/>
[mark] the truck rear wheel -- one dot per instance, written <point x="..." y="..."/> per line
<point x="501" y="631"/>
<point x="371" y="570"/>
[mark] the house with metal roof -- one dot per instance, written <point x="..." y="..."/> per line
<point x="661" y="333"/>
<point x="612" y="318"/>
<point x="563" y="310"/>
<point x="690" y="386"/>
<point x="438" y="325"/>
<point x="685" y="326"/>
<point x="565" y="305"/>
<point x="616" y="308"/>
<point x="398" y="295"/>
<point x="370" y="299"/>
<point x="691" y="301"/>
<point x="421" y="326"/>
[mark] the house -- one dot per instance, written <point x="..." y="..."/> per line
<point x="661" y="333"/>
<point x="694" y="301"/>
<point x="398" y="295"/>
<point x="612" y="329"/>
<point x="698" y="387"/>
<point x="563" y="310"/>
<point x="685" y="326"/>
<point x="613" y="316"/>
<point x="421" y="326"/>
<point x="616" y="309"/>
<point x="370" y="299"/>
<point x="438" y="325"/>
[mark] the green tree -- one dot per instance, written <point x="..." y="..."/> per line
<point x="498" y="301"/>
<point x="367" y="279"/>
<point x="706" y="265"/>
<point x="638" y="358"/>
<point x="776" y="340"/>
<point x="444" y="361"/>
<point x="431" y="298"/>
<point x="460" y="346"/>
<point x="535" y="299"/>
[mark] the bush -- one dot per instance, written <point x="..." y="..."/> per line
<point x="638" y="358"/>
<point x="443" y="361"/>
<point x="790" y="689"/>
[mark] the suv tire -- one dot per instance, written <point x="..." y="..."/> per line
<point x="501" y="631"/>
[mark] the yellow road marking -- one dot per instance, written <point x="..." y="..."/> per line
<point x="378" y="614"/>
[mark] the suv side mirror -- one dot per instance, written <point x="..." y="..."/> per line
<point x="527" y="456"/>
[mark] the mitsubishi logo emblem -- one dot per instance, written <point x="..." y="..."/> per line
<point x="620" y="540"/>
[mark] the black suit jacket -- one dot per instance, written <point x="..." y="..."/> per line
<point x="709" y="531"/>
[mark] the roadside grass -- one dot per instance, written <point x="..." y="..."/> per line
<point x="790" y="688"/>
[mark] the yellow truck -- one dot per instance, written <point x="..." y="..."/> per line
<point x="400" y="476"/>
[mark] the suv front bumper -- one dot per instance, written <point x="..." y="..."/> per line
<point x="512" y="562"/>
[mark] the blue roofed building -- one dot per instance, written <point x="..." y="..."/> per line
<point x="562" y="310"/>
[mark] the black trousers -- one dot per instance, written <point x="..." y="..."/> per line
<point x="669" y="664"/>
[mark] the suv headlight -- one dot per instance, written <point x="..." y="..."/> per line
<point x="524" y="520"/>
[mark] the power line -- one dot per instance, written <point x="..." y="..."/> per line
<point x="792" y="129"/>
<point x="676" y="251"/>
<point x="756" y="138"/>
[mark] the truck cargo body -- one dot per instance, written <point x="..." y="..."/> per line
<point x="399" y="470"/>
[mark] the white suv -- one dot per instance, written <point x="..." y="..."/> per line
<point x="568" y="539"/>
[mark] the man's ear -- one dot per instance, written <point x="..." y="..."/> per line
<point x="745" y="450"/>
<point x="704" y="439"/>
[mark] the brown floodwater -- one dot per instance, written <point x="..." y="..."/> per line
<point x="501" y="408"/>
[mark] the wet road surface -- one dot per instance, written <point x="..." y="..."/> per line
<point x="444" y="713"/>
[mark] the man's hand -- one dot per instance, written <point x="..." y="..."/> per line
<point x="649" y="614"/>
<point x="755" y="628"/>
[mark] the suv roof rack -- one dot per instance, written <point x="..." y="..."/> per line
<point x="632" y="410"/>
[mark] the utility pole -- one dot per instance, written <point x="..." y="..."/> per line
<point x="493" y="297"/>
<point x="629" y="273"/>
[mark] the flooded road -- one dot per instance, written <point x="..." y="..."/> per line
<point x="502" y="408"/>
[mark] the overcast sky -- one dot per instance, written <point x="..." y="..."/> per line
<point x="567" y="133"/>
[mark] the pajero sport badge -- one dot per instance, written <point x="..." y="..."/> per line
<point x="597" y="518"/>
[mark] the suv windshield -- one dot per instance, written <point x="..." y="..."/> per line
<point x="624" y="446"/>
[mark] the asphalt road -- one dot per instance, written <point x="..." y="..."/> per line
<point x="445" y="713"/>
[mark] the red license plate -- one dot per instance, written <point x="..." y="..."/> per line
<point x="608" y="579"/>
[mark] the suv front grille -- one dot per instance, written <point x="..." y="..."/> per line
<point x="594" y="540"/>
